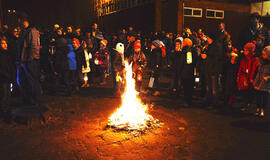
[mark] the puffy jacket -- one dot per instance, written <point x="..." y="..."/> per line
<point x="7" y="69"/>
<point x="246" y="72"/>
<point x="71" y="58"/>
<point x="102" y="56"/>
<point x="263" y="71"/>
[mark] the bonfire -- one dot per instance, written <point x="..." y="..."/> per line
<point x="132" y="114"/>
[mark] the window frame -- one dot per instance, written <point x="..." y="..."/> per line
<point x="198" y="16"/>
<point x="215" y="13"/>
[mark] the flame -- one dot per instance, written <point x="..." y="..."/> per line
<point x="132" y="114"/>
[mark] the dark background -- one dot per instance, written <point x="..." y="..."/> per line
<point x="48" y="12"/>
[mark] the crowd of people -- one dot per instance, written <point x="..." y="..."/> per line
<point x="69" y="56"/>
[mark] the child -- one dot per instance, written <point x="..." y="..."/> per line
<point x="246" y="72"/>
<point x="101" y="61"/>
<point x="262" y="81"/>
<point x="119" y="66"/>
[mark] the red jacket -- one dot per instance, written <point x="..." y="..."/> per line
<point x="246" y="72"/>
<point x="102" y="55"/>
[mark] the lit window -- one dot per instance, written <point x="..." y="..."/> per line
<point x="192" y="12"/>
<point x="217" y="14"/>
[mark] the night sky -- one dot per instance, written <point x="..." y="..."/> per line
<point x="44" y="12"/>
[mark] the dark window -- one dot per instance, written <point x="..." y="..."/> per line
<point x="188" y="12"/>
<point x="219" y="14"/>
<point x="210" y="14"/>
<point x="197" y="12"/>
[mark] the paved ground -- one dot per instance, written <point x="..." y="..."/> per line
<point x="75" y="129"/>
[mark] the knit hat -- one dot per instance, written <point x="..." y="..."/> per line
<point x="137" y="44"/>
<point x="179" y="39"/>
<point x="187" y="42"/>
<point x="56" y="26"/>
<point x="267" y="50"/>
<point x="250" y="47"/>
<point x="156" y="43"/>
<point x="120" y="48"/>
<point x="104" y="42"/>
<point x="76" y="41"/>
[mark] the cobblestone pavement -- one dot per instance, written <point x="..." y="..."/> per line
<point x="76" y="130"/>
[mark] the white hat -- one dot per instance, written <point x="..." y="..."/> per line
<point x="120" y="48"/>
<point x="56" y="26"/>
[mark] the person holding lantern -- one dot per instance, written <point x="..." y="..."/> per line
<point x="139" y="62"/>
<point x="101" y="61"/>
<point x="118" y="66"/>
<point x="187" y="63"/>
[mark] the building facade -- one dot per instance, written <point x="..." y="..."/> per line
<point x="173" y="15"/>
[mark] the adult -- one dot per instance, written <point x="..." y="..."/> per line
<point x="29" y="56"/>
<point x="253" y="30"/>
<point x="7" y="76"/>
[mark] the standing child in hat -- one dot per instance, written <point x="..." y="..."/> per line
<point x="139" y="62"/>
<point x="156" y="56"/>
<point x="101" y="60"/>
<point x="176" y="53"/>
<point x="262" y="81"/>
<point x="118" y="66"/>
<point x="246" y="74"/>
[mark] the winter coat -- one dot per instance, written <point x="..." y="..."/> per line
<point x="118" y="62"/>
<point x="80" y="58"/>
<point x="215" y="59"/>
<point x="156" y="58"/>
<point x="7" y="69"/>
<point x="176" y="59"/>
<point x="263" y="71"/>
<point x="71" y="58"/>
<point x="13" y="47"/>
<point x="230" y="80"/>
<point x="246" y="72"/>
<point x="102" y="57"/>
<point x="139" y="60"/>
<point x="187" y="69"/>
<point x="61" y="61"/>
<point x="250" y="34"/>
<point x="30" y="45"/>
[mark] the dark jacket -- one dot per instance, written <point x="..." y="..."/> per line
<point x="61" y="59"/>
<point x="80" y="58"/>
<point x="7" y="69"/>
<point x="156" y="58"/>
<point x="214" y="61"/>
<point x="187" y="69"/>
<point x="13" y="47"/>
<point x="118" y="63"/>
<point x="250" y="33"/>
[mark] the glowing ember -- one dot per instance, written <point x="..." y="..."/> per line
<point x="132" y="114"/>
